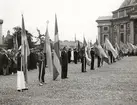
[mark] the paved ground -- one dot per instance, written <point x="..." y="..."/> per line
<point x="114" y="84"/>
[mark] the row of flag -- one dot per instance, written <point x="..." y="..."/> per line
<point x="53" y="63"/>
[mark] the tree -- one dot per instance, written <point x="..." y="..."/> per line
<point x="17" y="33"/>
<point x="8" y="40"/>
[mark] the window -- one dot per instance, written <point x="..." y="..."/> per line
<point x="105" y="28"/>
<point x="128" y="25"/>
<point x="115" y="28"/>
<point x="105" y="36"/>
<point x="121" y="14"/>
<point x="115" y="15"/>
<point x="121" y="26"/>
<point x="122" y="37"/>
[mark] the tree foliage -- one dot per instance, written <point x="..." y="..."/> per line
<point x="17" y="33"/>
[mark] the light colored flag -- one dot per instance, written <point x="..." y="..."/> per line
<point x="117" y="48"/>
<point x="84" y="42"/>
<point x="97" y="42"/>
<point x="75" y="38"/>
<point x="79" y="46"/>
<point x="103" y="54"/>
<point x="48" y="51"/>
<point x="56" y="52"/>
<point x="22" y="75"/>
<point x="100" y="51"/>
<point x="124" y="48"/>
<point x="75" y="41"/>
<point x="88" y="59"/>
<point x="25" y="51"/>
<point x="109" y="46"/>
<point x="91" y="43"/>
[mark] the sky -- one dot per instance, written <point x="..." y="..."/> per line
<point x="75" y="17"/>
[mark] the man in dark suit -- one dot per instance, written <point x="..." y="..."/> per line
<point x="111" y="56"/>
<point x="1" y="63"/>
<point x="64" y="63"/>
<point x="75" y="56"/>
<point x="99" y="61"/>
<point x="41" y="61"/>
<point x="92" y="53"/>
<point x="83" y="60"/>
<point x="69" y="55"/>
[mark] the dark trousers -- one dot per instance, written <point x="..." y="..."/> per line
<point x="75" y="60"/>
<point x="69" y="59"/>
<point x="64" y="72"/>
<point x="92" y="63"/>
<point x="111" y="58"/>
<point x="99" y="61"/>
<point x="41" y="72"/>
<point x="83" y="60"/>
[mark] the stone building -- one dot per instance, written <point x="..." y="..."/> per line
<point x="121" y="26"/>
<point x="1" y="36"/>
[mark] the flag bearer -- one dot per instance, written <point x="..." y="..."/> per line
<point x="64" y="63"/>
<point x="41" y="63"/>
<point x="83" y="60"/>
<point x="92" y="53"/>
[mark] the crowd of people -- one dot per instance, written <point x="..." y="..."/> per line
<point x="10" y="60"/>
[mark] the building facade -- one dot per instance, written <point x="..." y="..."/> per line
<point x="1" y="36"/>
<point x="121" y="26"/>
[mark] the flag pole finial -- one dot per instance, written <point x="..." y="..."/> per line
<point x="22" y="14"/>
<point x="47" y="22"/>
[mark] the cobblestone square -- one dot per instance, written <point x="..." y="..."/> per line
<point x="114" y="84"/>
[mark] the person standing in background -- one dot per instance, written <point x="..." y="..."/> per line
<point x="72" y="55"/>
<point x="69" y="55"/>
<point x="41" y="63"/>
<point x="92" y="54"/>
<point x="75" y="56"/>
<point x="83" y="60"/>
<point x="64" y="63"/>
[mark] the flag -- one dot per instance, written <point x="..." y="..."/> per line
<point x="56" y="52"/>
<point x="48" y="51"/>
<point x="87" y="58"/>
<point x="97" y="42"/>
<point x="124" y="48"/>
<point x="117" y="48"/>
<point x="24" y="51"/>
<point x="75" y="41"/>
<point x="84" y="42"/>
<point x="78" y="46"/>
<point x="103" y="54"/>
<point x="100" y="51"/>
<point x="91" y="43"/>
<point x="16" y="44"/>
<point x="109" y="46"/>
<point x="75" y="38"/>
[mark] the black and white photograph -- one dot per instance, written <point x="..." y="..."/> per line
<point x="68" y="52"/>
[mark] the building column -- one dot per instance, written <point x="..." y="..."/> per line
<point x="131" y="37"/>
<point x="118" y="34"/>
<point x="99" y="34"/>
<point x="125" y="33"/>
<point x="1" y="41"/>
